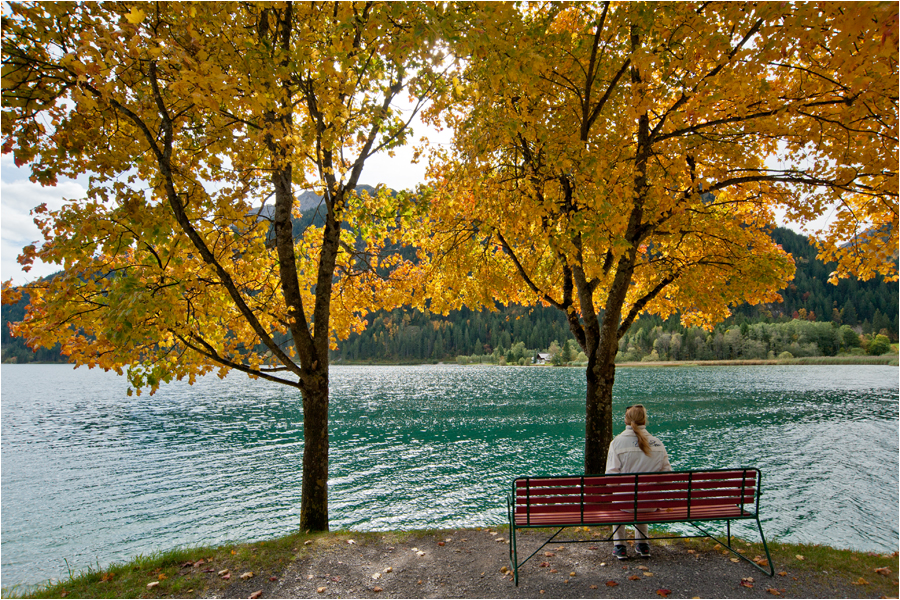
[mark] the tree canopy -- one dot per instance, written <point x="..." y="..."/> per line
<point x="619" y="159"/>
<point x="188" y="117"/>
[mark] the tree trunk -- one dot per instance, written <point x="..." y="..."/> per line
<point x="598" y="418"/>
<point x="314" y="492"/>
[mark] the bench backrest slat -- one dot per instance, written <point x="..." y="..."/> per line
<point x="630" y="492"/>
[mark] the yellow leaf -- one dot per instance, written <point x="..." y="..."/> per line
<point x="135" y="16"/>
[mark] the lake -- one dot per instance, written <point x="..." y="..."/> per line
<point x="90" y="475"/>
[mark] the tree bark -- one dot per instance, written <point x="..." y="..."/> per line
<point x="314" y="492"/>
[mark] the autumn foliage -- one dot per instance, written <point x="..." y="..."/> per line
<point x="609" y="160"/>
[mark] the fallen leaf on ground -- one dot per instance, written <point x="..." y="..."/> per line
<point x="648" y="574"/>
<point x="420" y="553"/>
<point x="592" y="547"/>
<point x="801" y="557"/>
<point x="643" y="568"/>
<point x="773" y="591"/>
<point x="883" y="571"/>
<point x="162" y="576"/>
<point x="747" y="579"/>
<point x="307" y="542"/>
<point x="593" y="587"/>
<point x="692" y="551"/>
<point x="441" y="543"/>
<point x="376" y="576"/>
<point x="320" y="590"/>
<point x="351" y="542"/>
<point x="376" y="589"/>
<point x="860" y="581"/>
<point x="310" y="576"/>
<point x="663" y="592"/>
<point x="735" y="560"/>
<point x="109" y="576"/>
<point x="389" y="570"/>
<point x="572" y="574"/>
<point x="273" y="578"/>
<point x="761" y="561"/>
<point x="247" y="575"/>
<point x="226" y="576"/>
<point x="549" y="554"/>
<point x="634" y="577"/>
<point x="554" y="571"/>
<point x="152" y="585"/>
<point x="746" y="584"/>
<point x="255" y="594"/>
<point x="544" y="564"/>
<point x="783" y="573"/>
<point x="223" y="572"/>
<point x="199" y="563"/>
<point x="504" y="570"/>
<point x="612" y="583"/>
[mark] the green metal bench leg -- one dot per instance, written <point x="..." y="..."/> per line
<point x="770" y="572"/>
<point x="513" y="557"/>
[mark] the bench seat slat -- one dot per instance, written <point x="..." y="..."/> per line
<point x="600" y="517"/>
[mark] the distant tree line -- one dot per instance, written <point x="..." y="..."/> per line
<point x="814" y="320"/>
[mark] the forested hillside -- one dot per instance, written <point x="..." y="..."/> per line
<point x="816" y="318"/>
<point x="763" y="331"/>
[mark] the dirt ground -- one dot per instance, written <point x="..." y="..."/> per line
<point x="473" y="564"/>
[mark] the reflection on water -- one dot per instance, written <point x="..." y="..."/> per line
<point x="89" y="474"/>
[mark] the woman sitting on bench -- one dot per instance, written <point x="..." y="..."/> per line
<point x="635" y="451"/>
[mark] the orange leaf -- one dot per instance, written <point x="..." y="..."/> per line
<point x="663" y="592"/>
<point x="612" y="583"/>
<point x="633" y="577"/>
<point x="773" y="591"/>
<point x="883" y="571"/>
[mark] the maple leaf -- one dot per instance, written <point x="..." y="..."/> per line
<point x="135" y="16"/>
<point x="663" y="592"/>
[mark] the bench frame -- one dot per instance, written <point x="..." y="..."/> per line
<point x="636" y="498"/>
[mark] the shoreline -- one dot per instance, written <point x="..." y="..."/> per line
<point x="473" y="563"/>
<point x="891" y="360"/>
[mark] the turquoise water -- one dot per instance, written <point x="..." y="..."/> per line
<point x="90" y="475"/>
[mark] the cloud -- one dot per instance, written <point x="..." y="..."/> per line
<point x="18" y="196"/>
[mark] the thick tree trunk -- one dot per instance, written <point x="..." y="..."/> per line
<point x="598" y="419"/>
<point x="314" y="493"/>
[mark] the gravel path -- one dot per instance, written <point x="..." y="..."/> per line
<point x="472" y="564"/>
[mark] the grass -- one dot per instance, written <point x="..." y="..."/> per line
<point x="176" y="579"/>
<point x="845" y="568"/>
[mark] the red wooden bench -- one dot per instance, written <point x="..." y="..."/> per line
<point x="626" y="499"/>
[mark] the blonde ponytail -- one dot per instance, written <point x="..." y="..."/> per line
<point x="637" y="416"/>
